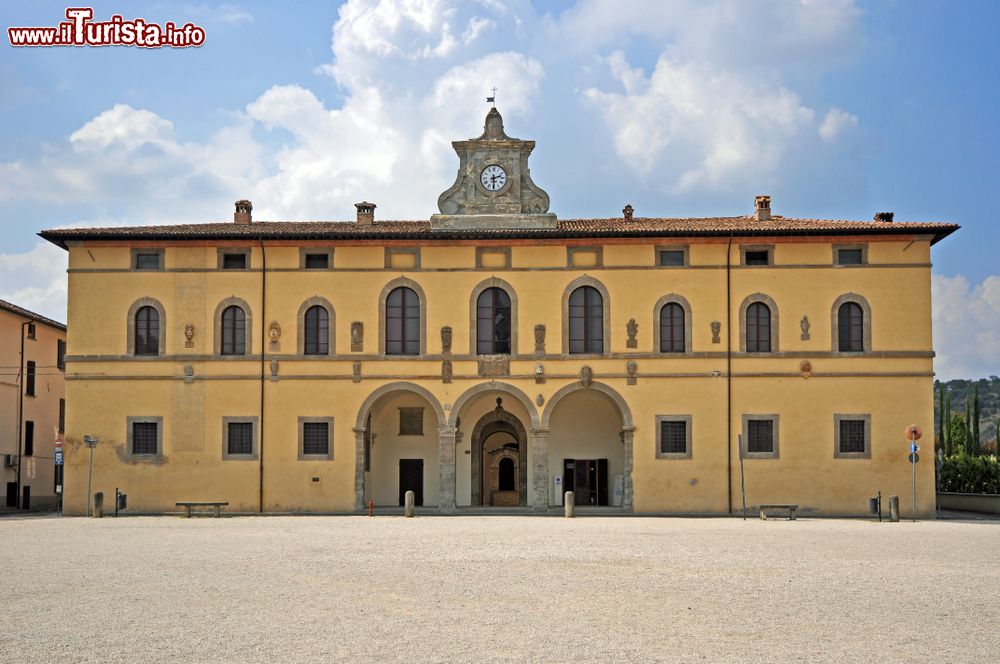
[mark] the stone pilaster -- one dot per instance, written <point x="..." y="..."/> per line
<point x="628" y="435"/>
<point x="540" y="466"/>
<point x="446" y="466"/>
<point x="359" y="468"/>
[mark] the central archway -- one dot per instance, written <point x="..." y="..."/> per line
<point x="498" y="421"/>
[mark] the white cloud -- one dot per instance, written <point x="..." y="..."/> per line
<point x="36" y="280"/>
<point x="123" y="126"/>
<point x="835" y="123"/>
<point x="224" y="13"/>
<point x="966" y="327"/>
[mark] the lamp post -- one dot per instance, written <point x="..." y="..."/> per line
<point x="91" y="442"/>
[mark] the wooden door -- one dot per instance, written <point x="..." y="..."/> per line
<point x="584" y="482"/>
<point x="411" y="478"/>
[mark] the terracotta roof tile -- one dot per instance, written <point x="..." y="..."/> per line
<point x="30" y="315"/>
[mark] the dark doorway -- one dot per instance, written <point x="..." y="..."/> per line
<point x="11" y="494"/>
<point x="411" y="478"/>
<point x="587" y="479"/>
<point x="26" y="498"/>
<point x="506" y="478"/>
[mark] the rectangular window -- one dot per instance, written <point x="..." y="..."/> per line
<point x="147" y="261"/>
<point x="31" y="331"/>
<point x="234" y="261"/>
<point x="757" y="257"/>
<point x="239" y="439"/>
<point x="316" y="439"/>
<point x="411" y="421"/>
<point x="317" y="261"/>
<point x="671" y="257"/>
<point x="62" y="415"/>
<point x="146" y="438"/>
<point x="760" y="436"/>
<point x="29" y="438"/>
<point x="61" y="355"/>
<point x="673" y="437"/>
<point x="29" y="380"/>
<point x="849" y="257"/>
<point x="853" y="436"/>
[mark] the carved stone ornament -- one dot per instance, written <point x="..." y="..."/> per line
<point x="806" y="368"/>
<point x="274" y="332"/>
<point x="632" y="328"/>
<point x="539" y="400"/>
<point x="630" y="368"/>
<point x="539" y="372"/>
<point x="357" y="336"/>
<point x="540" y="339"/>
<point x="446" y="371"/>
<point x="804" y="324"/>
<point x="446" y="339"/>
<point x="357" y="372"/>
<point x="188" y="373"/>
<point x="716" y="329"/>
<point x="586" y="376"/>
<point x="189" y="336"/>
<point x="274" y="370"/>
<point x="494" y="365"/>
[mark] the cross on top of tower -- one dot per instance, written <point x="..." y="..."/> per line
<point x="493" y="99"/>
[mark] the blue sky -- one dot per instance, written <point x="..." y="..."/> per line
<point x="838" y="109"/>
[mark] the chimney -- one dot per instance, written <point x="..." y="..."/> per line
<point x="242" y="214"/>
<point x="762" y="208"/>
<point x="627" y="212"/>
<point x="884" y="217"/>
<point x="366" y="212"/>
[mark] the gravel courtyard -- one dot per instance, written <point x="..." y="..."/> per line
<point x="507" y="589"/>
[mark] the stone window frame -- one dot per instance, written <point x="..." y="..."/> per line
<point x="222" y="251"/>
<point x="130" y="332"/>
<point x="572" y="251"/>
<point x="481" y="287"/>
<point x="144" y="419"/>
<point x="411" y="410"/>
<point x="248" y="316"/>
<point x="672" y="298"/>
<point x="316" y="300"/>
<point x="383" y="296"/>
<point x="840" y="417"/>
<point x="688" y="434"/>
<point x="866" y="324"/>
<point x="773" y="306"/>
<point x="493" y="250"/>
<point x="775" y="428"/>
<point x="303" y="251"/>
<point x="744" y="248"/>
<point x="301" y="429"/>
<point x="863" y="246"/>
<point x="586" y="280"/>
<point x="683" y="248"/>
<point x="255" y="437"/>
<point x="133" y="259"/>
<point x="396" y="251"/>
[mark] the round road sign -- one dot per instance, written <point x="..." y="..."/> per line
<point x="914" y="457"/>
<point x="913" y="432"/>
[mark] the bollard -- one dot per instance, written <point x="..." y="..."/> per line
<point x="408" y="504"/>
<point x="894" y="508"/>
<point x="569" y="504"/>
<point x="371" y="508"/>
<point x="98" y="504"/>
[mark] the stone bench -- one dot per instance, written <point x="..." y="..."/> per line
<point x="187" y="505"/>
<point x="791" y="510"/>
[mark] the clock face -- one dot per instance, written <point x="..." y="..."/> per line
<point x="493" y="178"/>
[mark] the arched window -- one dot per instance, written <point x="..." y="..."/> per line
<point x="672" y="328"/>
<point x="147" y="331"/>
<point x="493" y="322"/>
<point x="234" y="331"/>
<point x="586" y="321"/>
<point x="402" y="322"/>
<point x="506" y="475"/>
<point x="758" y="328"/>
<point x="851" y="328"/>
<point x="317" y="338"/>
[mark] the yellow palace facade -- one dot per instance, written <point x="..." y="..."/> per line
<point x="496" y="355"/>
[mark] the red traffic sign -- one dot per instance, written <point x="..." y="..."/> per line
<point x="58" y="442"/>
<point x="913" y="432"/>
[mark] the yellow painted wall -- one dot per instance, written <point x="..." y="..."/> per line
<point x="893" y="383"/>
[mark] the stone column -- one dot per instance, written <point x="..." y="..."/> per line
<point x="628" y="435"/>
<point x="359" y="468"/>
<point x="540" y="466"/>
<point x="446" y="466"/>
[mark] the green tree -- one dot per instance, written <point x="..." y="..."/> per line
<point x="996" y="450"/>
<point x="949" y="448"/>
<point x="975" y="444"/>
<point x="957" y="433"/>
<point x="968" y="426"/>
<point x="939" y="423"/>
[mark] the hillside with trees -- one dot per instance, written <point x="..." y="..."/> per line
<point x="966" y="415"/>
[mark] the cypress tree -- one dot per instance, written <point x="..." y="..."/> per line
<point x="997" y="450"/>
<point x="939" y="388"/>
<point x="947" y="425"/>
<point x="975" y="421"/>
<point x="968" y="426"/>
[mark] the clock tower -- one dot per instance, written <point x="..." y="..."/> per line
<point x="493" y="188"/>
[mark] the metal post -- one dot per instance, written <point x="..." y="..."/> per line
<point x="91" y="442"/>
<point x="913" y="451"/>
<point x="743" y="489"/>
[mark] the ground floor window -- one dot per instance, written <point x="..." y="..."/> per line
<point x="315" y="434"/>
<point x="853" y="436"/>
<point x="239" y="437"/>
<point x="760" y="436"/>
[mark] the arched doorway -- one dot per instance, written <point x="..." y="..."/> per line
<point x="499" y="439"/>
